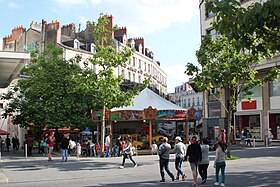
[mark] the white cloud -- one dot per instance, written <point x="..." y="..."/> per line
<point x="15" y="6"/>
<point x="142" y="16"/>
<point x="175" y="76"/>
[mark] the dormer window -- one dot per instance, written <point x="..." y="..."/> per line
<point x="124" y="39"/>
<point x="76" y="44"/>
<point x="140" y="48"/>
<point x="132" y="44"/>
<point x="93" y="48"/>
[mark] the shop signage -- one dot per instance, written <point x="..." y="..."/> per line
<point x="247" y="105"/>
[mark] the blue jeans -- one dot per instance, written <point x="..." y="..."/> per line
<point x="178" y="166"/>
<point x="64" y="153"/>
<point x="163" y="164"/>
<point x="107" y="151"/>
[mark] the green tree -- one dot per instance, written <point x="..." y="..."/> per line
<point x="46" y="98"/>
<point x="228" y="62"/>
<point x="106" y="85"/>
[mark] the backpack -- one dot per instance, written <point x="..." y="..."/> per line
<point x="47" y="140"/>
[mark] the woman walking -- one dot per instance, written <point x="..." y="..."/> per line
<point x="220" y="163"/>
<point x="204" y="163"/>
<point x="127" y="153"/>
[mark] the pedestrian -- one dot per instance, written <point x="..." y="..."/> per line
<point x="72" y="145"/>
<point x="118" y="143"/>
<point x="270" y="137"/>
<point x="45" y="144"/>
<point x="29" y="141"/>
<point x="127" y="153"/>
<point x="204" y="163"/>
<point x="163" y="152"/>
<point x="154" y="148"/>
<point x="180" y="153"/>
<point x="51" y="140"/>
<point x="248" y="138"/>
<point x="8" y="143"/>
<point x="17" y="143"/>
<point x="64" y="147"/>
<point x="14" y="144"/>
<point x="97" y="148"/>
<point x="220" y="163"/>
<point x="194" y="155"/>
<point x="107" y="144"/>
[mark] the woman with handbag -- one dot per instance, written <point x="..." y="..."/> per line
<point x="127" y="153"/>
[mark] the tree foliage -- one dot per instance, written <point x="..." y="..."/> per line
<point x="46" y="98"/>
<point x="229" y="62"/>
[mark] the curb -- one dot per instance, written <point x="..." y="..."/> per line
<point x="3" y="178"/>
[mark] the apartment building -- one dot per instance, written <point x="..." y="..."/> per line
<point x="76" y="42"/>
<point x="258" y="116"/>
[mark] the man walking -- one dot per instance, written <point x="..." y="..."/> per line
<point x="64" y="147"/>
<point x="180" y="152"/>
<point x="107" y="144"/>
<point x="163" y="152"/>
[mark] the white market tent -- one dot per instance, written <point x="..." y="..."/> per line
<point x="148" y="98"/>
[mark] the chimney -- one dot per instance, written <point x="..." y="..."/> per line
<point x="53" y="32"/>
<point x="140" y="41"/>
<point x="122" y="31"/>
<point x="36" y="26"/>
<point x="16" y="34"/>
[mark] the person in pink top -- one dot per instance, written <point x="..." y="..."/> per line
<point x="50" y="142"/>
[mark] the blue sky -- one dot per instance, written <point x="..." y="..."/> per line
<point x="171" y="28"/>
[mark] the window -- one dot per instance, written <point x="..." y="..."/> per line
<point x="139" y="64"/>
<point x="208" y="13"/>
<point x="214" y="109"/>
<point x="197" y="101"/>
<point x="275" y="88"/>
<point x="149" y="68"/>
<point x="145" y="68"/>
<point x="193" y="102"/>
<point x="213" y="33"/>
<point x="134" y="61"/>
<point x="139" y="78"/>
<point x="129" y="76"/>
<point x="123" y="72"/>
<point x="189" y="102"/>
<point x="133" y="77"/>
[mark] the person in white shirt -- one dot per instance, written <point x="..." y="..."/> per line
<point x="107" y="144"/>
<point x="180" y="153"/>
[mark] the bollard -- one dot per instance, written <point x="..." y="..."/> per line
<point x="25" y="148"/>
<point x="254" y="143"/>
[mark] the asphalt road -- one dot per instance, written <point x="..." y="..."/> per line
<point x="256" y="167"/>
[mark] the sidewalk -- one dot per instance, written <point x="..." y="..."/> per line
<point x="15" y="170"/>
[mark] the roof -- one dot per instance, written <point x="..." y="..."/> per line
<point x="11" y="64"/>
<point x="148" y="98"/>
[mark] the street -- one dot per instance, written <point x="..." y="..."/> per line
<point x="257" y="167"/>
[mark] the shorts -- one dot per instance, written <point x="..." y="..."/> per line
<point x="50" y="149"/>
<point x="194" y="166"/>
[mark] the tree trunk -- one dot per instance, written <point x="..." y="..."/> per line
<point x="102" y="130"/>
<point x="229" y="134"/>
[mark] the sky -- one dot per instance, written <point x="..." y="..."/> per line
<point x="170" y="28"/>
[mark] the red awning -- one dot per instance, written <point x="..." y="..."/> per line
<point x="2" y="132"/>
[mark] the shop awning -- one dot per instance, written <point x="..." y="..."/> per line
<point x="2" y="132"/>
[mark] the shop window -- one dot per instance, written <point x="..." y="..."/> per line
<point x="250" y="123"/>
<point x="275" y="88"/>
<point x="256" y="92"/>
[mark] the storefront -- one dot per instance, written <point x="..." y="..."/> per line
<point x="250" y="121"/>
<point x="274" y="124"/>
